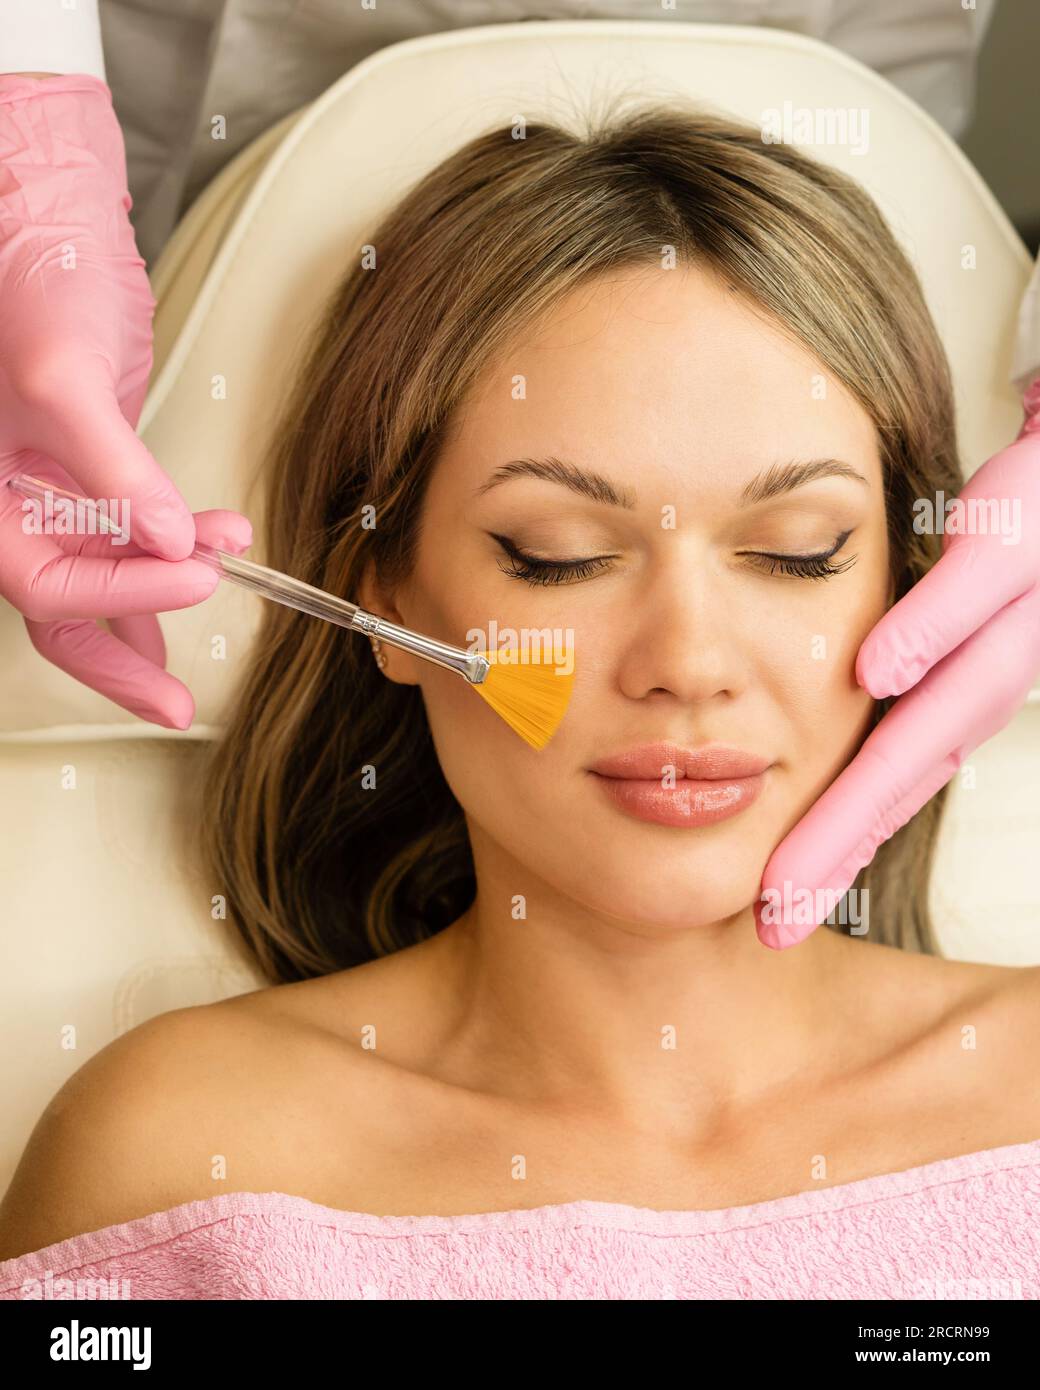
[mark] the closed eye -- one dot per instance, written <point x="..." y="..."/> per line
<point x="807" y="566"/>
<point x="533" y="569"/>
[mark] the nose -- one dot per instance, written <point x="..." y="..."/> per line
<point x="684" y="635"/>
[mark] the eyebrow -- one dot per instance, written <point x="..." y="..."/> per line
<point x="772" y="482"/>
<point x="554" y="470"/>
<point x="784" y="477"/>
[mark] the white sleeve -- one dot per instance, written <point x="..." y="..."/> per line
<point x="47" y="36"/>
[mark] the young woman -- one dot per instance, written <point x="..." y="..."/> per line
<point x="674" y="391"/>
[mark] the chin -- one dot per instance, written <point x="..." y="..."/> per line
<point x="674" y="891"/>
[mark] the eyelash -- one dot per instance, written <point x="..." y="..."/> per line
<point x="810" y="566"/>
<point x="536" y="571"/>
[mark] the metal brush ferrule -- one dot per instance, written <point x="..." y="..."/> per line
<point x="471" y="665"/>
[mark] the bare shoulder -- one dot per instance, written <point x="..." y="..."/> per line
<point x="1009" y="996"/>
<point x="912" y="1005"/>
<point x="397" y="999"/>
<point x="269" y="1090"/>
<point x="990" y="1013"/>
<point x="136" y="1128"/>
<point x="924" y="989"/>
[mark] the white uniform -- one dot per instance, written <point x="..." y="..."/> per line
<point x="174" y="64"/>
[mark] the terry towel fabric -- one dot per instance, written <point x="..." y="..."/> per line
<point x="964" y="1227"/>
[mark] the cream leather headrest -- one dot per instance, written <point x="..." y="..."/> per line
<point x="270" y="238"/>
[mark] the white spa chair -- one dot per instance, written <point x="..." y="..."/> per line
<point x="104" y="925"/>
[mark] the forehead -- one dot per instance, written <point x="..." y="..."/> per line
<point x="651" y="369"/>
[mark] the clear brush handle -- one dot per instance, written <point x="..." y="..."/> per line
<point x="292" y="593"/>
<point x="272" y="584"/>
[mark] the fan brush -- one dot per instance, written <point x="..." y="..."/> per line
<point x="531" y="696"/>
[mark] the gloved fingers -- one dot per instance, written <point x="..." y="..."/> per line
<point x="978" y="573"/>
<point x="105" y="663"/>
<point x="778" y="933"/>
<point x="77" y="421"/>
<point x="914" y="751"/>
<point x="37" y="465"/>
<point x="44" y="583"/>
<point x="142" y="633"/>
<point x="959" y="594"/>
<point x="222" y="529"/>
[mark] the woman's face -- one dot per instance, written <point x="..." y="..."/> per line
<point x="684" y="402"/>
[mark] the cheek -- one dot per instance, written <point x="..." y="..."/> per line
<point x="510" y="790"/>
<point x="834" y="713"/>
<point x="807" y="647"/>
<point x="829" y="713"/>
<point x="488" y="767"/>
<point x="455" y="593"/>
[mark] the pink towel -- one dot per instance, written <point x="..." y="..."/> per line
<point x="966" y="1227"/>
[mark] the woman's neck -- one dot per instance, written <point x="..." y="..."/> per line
<point x="662" y="1028"/>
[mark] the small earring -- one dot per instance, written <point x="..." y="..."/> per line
<point x="380" y="655"/>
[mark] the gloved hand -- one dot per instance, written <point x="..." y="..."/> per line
<point x="75" y="355"/>
<point x="125" y="664"/>
<point x="964" y="644"/>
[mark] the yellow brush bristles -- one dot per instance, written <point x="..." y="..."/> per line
<point x="531" y="695"/>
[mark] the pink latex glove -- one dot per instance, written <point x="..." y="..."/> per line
<point x="75" y="355"/>
<point x="966" y="638"/>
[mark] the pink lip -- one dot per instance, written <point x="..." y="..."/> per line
<point x="706" y="785"/>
